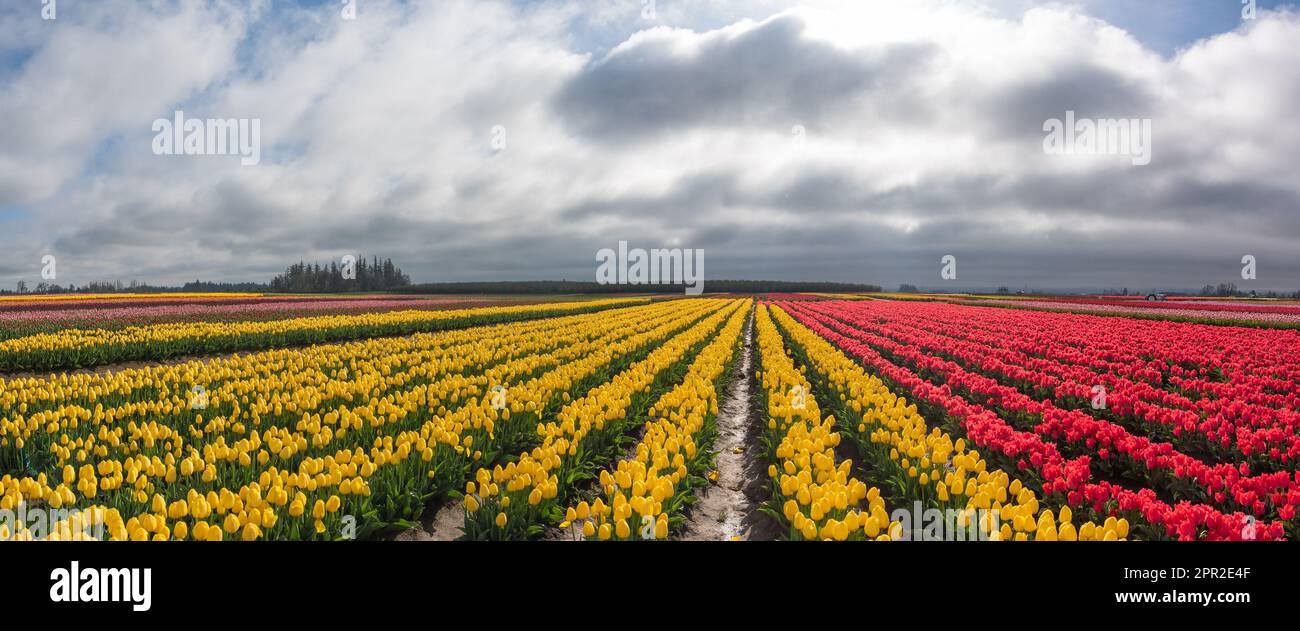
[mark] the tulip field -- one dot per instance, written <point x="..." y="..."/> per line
<point x="1186" y="430"/>
<point x="593" y="420"/>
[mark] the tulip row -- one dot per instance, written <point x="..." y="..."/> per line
<point x="25" y="322"/>
<point x="517" y="500"/>
<point x="26" y="299"/>
<point x="1037" y="460"/>
<point x="1138" y="406"/>
<point x="1186" y="305"/>
<point x="71" y="348"/>
<point x="1248" y="416"/>
<point x="1255" y="365"/>
<point x="927" y="465"/>
<point x="651" y="488"/>
<point x="1120" y="452"/>
<point x="1141" y="310"/>
<point x="172" y="393"/>
<point x="811" y="495"/>
<point x="362" y="428"/>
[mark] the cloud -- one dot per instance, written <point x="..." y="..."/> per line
<point x="99" y="70"/>
<point x="922" y="136"/>
<point x="665" y="81"/>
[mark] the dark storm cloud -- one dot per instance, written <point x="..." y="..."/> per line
<point x="690" y="196"/>
<point x="1018" y="109"/>
<point x="991" y="256"/>
<point x="768" y="75"/>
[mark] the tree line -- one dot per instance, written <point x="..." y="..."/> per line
<point x="133" y="287"/>
<point x="1230" y="290"/>
<point x="361" y="276"/>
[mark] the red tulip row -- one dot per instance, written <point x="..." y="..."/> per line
<point x="1033" y="452"/>
<point x="1222" y="485"/>
<point x="1229" y="397"/>
<point x="1243" y="363"/>
<point x="1285" y="309"/>
<point x="1240" y="363"/>
<point x="1226" y="429"/>
<point x="1235" y="372"/>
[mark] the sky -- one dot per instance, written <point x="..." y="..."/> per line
<point x="855" y="141"/>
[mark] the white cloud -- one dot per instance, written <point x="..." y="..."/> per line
<point x="924" y="129"/>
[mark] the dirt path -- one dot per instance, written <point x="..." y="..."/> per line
<point x="729" y="508"/>
<point x="444" y="525"/>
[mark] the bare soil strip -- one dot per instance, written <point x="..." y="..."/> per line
<point x="444" y="525"/>
<point x="729" y="508"/>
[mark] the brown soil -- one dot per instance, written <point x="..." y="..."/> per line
<point x="729" y="508"/>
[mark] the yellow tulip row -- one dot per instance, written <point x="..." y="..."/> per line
<point x="271" y="383"/>
<point x="183" y="464"/>
<point x="475" y="418"/>
<point x="512" y="502"/>
<point x="927" y="465"/>
<point x="648" y="487"/>
<point x="258" y="384"/>
<point x="348" y="471"/>
<point x="97" y="346"/>
<point x="818" y="498"/>
<point x="473" y="424"/>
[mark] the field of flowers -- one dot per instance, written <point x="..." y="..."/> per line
<point x="32" y="316"/>
<point x="288" y="443"/>
<point x="1187" y="431"/>
<point x="597" y="420"/>
<point x="82" y="347"/>
<point x="1281" y="314"/>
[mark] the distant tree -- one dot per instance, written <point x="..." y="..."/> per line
<point x="372" y="275"/>
<point x="1226" y="289"/>
<point x="908" y="289"/>
<point x="1004" y="290"/>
